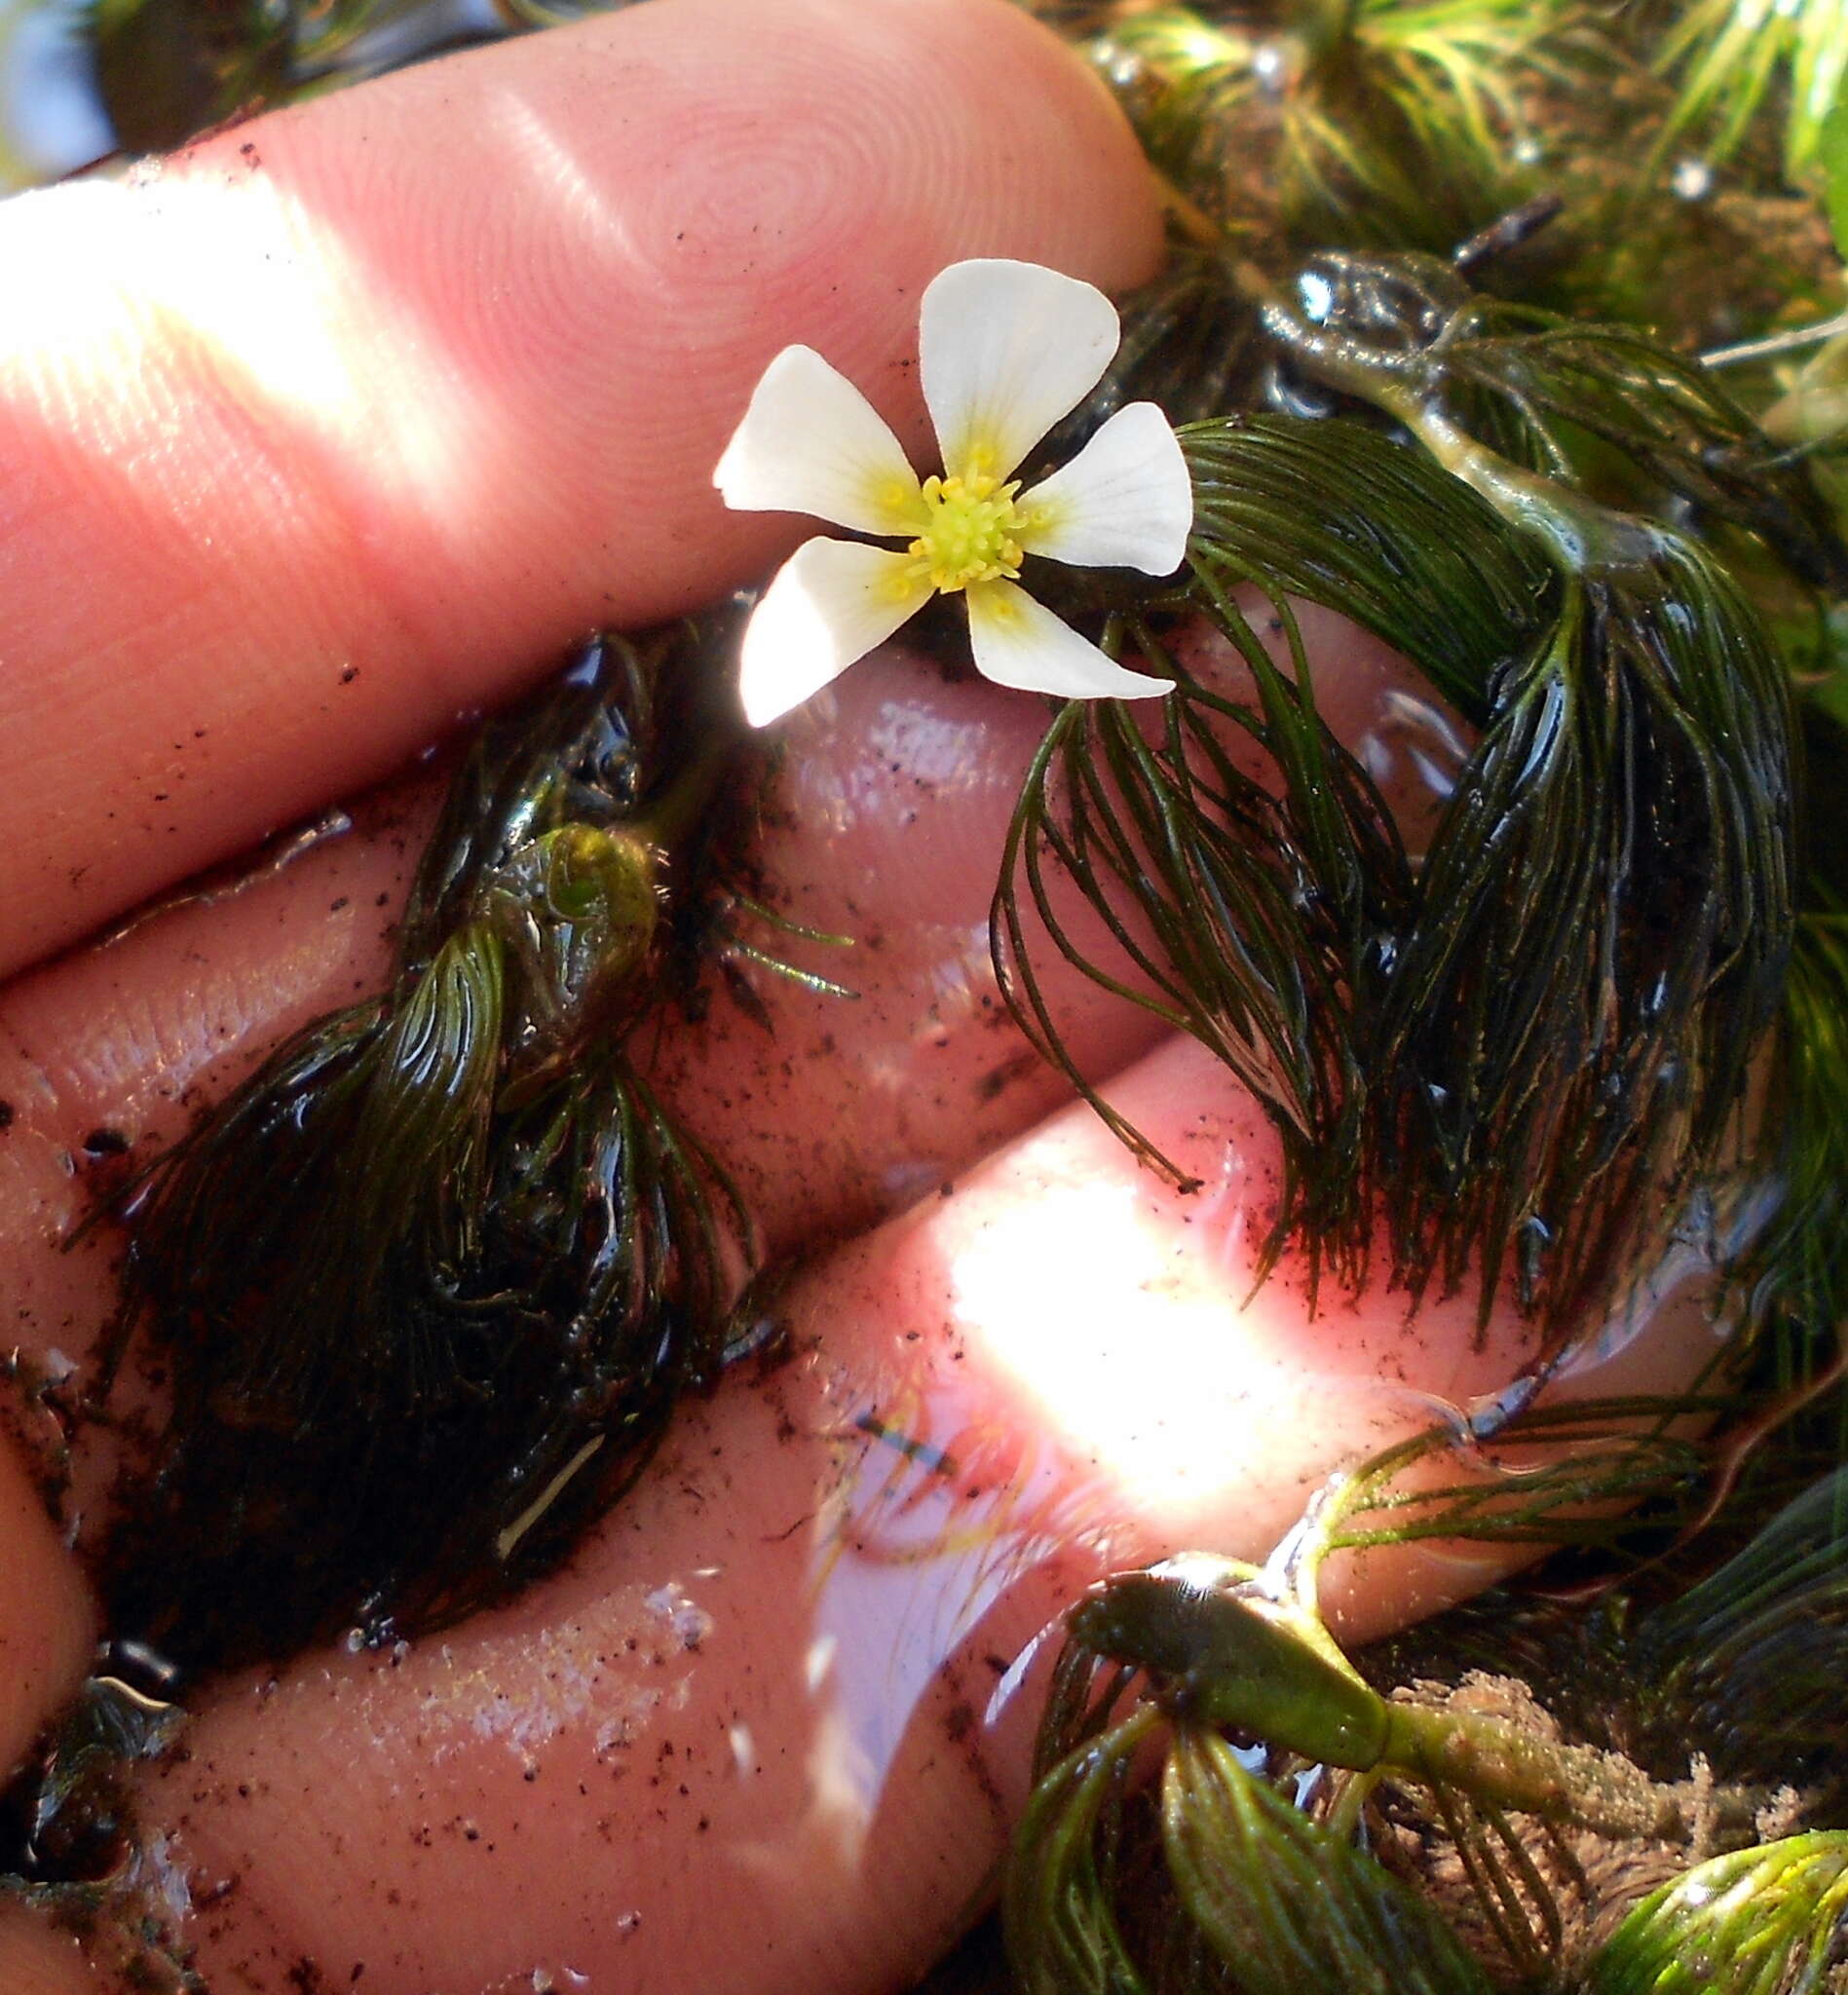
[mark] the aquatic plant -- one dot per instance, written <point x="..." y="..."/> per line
<point x="1225" y="1802"/>
<point x="1432" y="345"/>
<point x="1732" y="60"/>
<point x="424" y="1291"/>
<point x="1497" y="1046"/>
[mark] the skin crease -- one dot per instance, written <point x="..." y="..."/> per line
<point x="802" y="1611"/>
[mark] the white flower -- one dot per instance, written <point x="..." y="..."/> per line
<point x="1005" y="350"/>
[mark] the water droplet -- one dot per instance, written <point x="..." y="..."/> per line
<point x="1318" y="298"/>
<point x="1691" y="180"/>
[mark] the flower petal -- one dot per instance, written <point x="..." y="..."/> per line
<point x="811" y="442"/>
<point x="1019" y="642"/>
<point x="830" y="603"/>
<point x="1004" y="349"/>
<point x="1125" y="501"/>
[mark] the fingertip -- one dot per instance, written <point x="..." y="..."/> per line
<point x="47" y="1620"/>
<point x="366" y="407"/>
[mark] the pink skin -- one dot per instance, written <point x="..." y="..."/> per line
<point x="812" y="1616"/>
<point x="546" y="266"/>
<point x="431" y="376"/>
<point x="809" y="1617"/>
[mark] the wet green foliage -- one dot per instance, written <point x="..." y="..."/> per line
<point x="1758" y="1649"/>
<point x="1209" y="1880"/>
<point x="426" y="1289"/>
<point x="1341" y="514"/>
<point x="71" y="1832"/>
<point x="1607" y="916"/>
<point x="1794" y="1275"/>
<point x="1604" y="1456"/>
<point x="1210" y="1814"/>
<point x="1350" y="121"/>
<point x="1287" y="1905"/>
<point x="1833" y="140"/>
<point x="1733" y="60"/>
<point x="168" y="70"/>
<point x="1202" y="1875"/>
<point x="1230" y="1659"/>
<point x="1287" y="125"/>
<point x="79" y="1817"/>
<point x="1601" y="409"/>
<point x="1793" y="1278"/>
<point x="1176" y="844"/>
<point x="1515" y="1045"/>
<point x="1757" y="1922"/>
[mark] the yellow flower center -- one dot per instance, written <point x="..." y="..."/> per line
<point x="971" y="532"/>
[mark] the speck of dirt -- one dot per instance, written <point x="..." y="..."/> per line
<point x="105" y="1142"/>
<point x="5" y="1114"/>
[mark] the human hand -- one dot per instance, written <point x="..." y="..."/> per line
<point x="342" y="425"/>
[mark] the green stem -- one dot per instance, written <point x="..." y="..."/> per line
<point x="1493" y="1759"/>
<point x="1343" y="1822"/>
<point x="670" y="816"/>
<point x="1577" y="531"/>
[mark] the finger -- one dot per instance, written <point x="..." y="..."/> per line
<point x="46" y="1623"/>
<point x="894" y="794"/>
<point x="39" y="1959"/>
<point x="782" y="1678"/>
<point x="341" y="422"/>
<point x="829" y="1112"/>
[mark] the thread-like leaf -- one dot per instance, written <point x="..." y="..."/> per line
<point x="1286" y="1905"/>
<point x="426" y="1289"/>
<point x="1764" y="1921"/>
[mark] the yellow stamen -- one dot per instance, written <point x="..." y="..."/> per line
<point x="971" y="532"/>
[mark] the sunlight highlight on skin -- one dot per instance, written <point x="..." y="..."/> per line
<point x="1097" y="1339"/>
<point x="1119" y="1319"/>
<point x="240" y="287"/>
<point x="546" y="157"/>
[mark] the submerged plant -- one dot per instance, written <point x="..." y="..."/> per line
<point x="1225" y="1802"/>
<point x="1606" y="996"/>
<point x="1286" y="126"/>
<point x="1763" y="1921"/>
<point x="1516" y="1045"/>
<point x="1730" y="59"/>
<point x="1362" y="121"/>
<point x="1518" y="1048"/>
<point x="425" y="1290"/>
